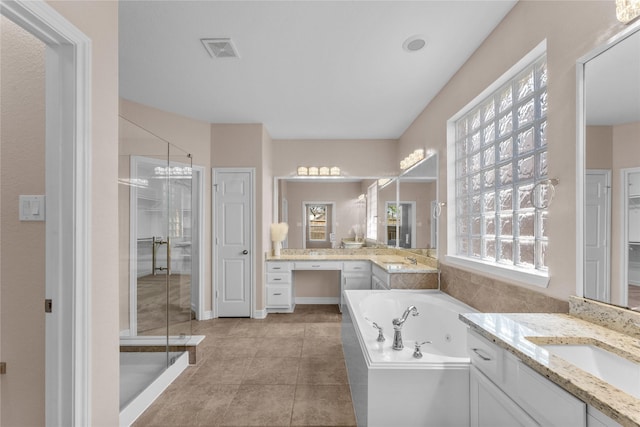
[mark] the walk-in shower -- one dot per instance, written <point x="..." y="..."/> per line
<point x="157" y="223"/>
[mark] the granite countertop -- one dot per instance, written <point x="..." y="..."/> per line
<point x="388" y="262"/>
<point x="520" y="333"/>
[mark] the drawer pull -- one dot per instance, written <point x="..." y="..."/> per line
<point x="277" y="293"/>
<point x="276" y="279"/>
<point x="481" y="354"/>
<point x="276" y="268"/>
<point x="315" y="266"/>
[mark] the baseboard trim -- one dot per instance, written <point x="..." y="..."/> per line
<point x="260" y="314"/>
<point x="317" y="300"/>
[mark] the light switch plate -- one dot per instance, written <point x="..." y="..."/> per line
<point x="31" y="208"/>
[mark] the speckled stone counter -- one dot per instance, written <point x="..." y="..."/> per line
<point x="520" y="334"/>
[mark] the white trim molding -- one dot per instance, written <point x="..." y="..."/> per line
<point x="68" y="227"/>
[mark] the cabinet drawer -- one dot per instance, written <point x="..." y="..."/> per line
<point x="277" y="278"/>
<point x="278" y="295"/>
<point x="549" y="404"/>
<point x="357" y="266"/>
<point x="485" y="356"/>
<point x="276" y="267"/>
<point x="318" y="265"/>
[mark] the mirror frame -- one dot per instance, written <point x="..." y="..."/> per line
<point x="581" y="146"/>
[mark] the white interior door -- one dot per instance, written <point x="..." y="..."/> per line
<point x="233" y="241"/>
<point x="597" y="234"/>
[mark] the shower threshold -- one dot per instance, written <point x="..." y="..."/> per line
<point x="157" y="343"/>
<point x="143" y="377"/>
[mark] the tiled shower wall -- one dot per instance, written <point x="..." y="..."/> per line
<point x="495" y="296"/>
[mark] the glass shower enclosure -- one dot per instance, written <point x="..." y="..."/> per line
<point x="155" y="229"/>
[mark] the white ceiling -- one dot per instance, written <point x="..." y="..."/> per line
<point x="307" y="69"/>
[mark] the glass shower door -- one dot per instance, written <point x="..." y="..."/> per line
<point x="155" y="204"/>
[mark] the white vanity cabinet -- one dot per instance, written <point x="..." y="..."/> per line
<point x="506" y="392"/>
<point x="379" y="278"/>
<point x="279" y="287"/>
<point x="356" y="275"/>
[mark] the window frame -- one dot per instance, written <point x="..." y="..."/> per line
<point x="527" y="276"/>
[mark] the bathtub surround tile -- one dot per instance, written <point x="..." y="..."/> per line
<point x="323" y="405"/>
<point x="494" y="296"/>
<point x="414" y="280"/>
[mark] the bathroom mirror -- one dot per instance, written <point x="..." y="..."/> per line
<point x="609" y="171"/>
<point x="417" y="200"/>
<point x="346" y="213"/>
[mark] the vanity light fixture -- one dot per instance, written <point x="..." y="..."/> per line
<point x="318" y="171"/>
<point x="627" y="10"/>
<point x="412" y="159"/>
<point x="361" y="197"/>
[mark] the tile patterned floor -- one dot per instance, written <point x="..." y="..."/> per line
<point x="286" y="370"/>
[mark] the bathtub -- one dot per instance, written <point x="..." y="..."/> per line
<point x="391" y="387"/>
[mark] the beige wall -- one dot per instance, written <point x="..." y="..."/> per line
<point x="591" y="23"/>
<point x="599" y="147"/>
<point x="360" y="158"/>
<point x="22" y="247"/>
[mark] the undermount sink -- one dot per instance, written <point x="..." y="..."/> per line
<point x="609" y="367"/>
<point x="395" y="265"/>
<point x="352" y="243"/>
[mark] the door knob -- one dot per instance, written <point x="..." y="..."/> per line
<point x="245" y="252"/>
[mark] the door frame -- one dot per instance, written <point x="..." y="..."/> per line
<point x="214" y="230"/>
<point x="68" y="226"/>
<point x="606" y="173"/>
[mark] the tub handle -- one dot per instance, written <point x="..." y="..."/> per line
<point x="481" y="354"/>
<point x="381" y="337"/>
<point x="416" y="352"/>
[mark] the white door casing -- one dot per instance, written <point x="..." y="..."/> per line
<point x="597" y="242"/>
<point x="233" y="241"/>
<point x="68" y="185"/>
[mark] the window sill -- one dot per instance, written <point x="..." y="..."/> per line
<point x="502" y="272"/>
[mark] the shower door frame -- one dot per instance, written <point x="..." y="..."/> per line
<point x="133" y="228"/>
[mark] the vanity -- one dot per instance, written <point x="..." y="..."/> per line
<point x="358" y="269"/>
<point x="542" y="369"/>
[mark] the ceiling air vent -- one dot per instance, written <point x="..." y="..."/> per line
<point x="220" y="48"/>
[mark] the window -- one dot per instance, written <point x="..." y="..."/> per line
<point x="500" y="152"/>
<point x="317" y="215"/>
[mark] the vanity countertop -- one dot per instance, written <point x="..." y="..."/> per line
<point x="517" y="333"/>
<point x="389" y="262"/>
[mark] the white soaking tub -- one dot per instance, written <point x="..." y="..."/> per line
<point x="393" y="388"/>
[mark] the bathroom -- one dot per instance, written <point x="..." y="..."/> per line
<point x="526" y="25"/>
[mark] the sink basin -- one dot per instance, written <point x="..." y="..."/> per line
<point x="395" y="265"/>
<point x="352" y="243"/>
<point x="609" y="367"/>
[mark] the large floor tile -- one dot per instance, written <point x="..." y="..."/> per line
<point x="281" y="370"/>
<point x="314" y="370"/>
<point x="323" y="405"/>
<point x="260" y="405"/>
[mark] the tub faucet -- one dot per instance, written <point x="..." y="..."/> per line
<point x="397" y="327"/>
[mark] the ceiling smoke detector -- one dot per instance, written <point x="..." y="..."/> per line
<point x="220" y="48"/>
